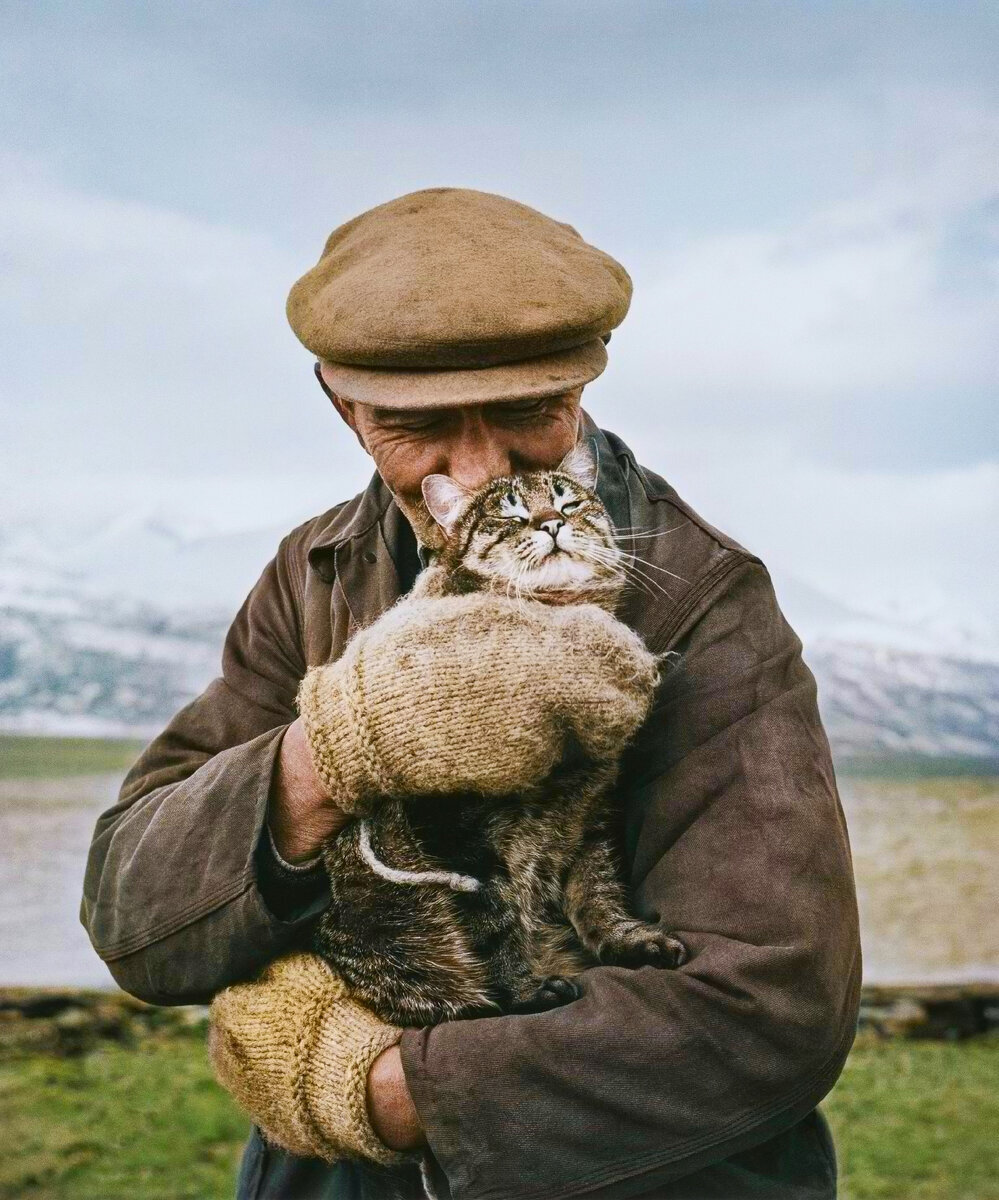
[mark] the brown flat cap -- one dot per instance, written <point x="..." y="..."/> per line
<point x="453" y="296"/>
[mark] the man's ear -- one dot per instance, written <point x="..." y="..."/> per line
<point x="343" y="406"/>
<point x="581" y="464"/>
<point x="445" y="499"/>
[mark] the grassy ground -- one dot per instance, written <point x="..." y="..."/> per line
<point x="53" y="757"/>
<point x="913" y="1121"/>
<point x="918" y="1121"/>
<point x="118" y="1124"/>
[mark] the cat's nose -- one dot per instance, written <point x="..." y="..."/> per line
<point x="553" y="526"/>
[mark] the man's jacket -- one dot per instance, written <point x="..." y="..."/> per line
<point x="698" y="1082"/>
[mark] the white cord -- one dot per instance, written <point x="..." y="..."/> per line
<point x="428" y="1184"/>
<point x="451" y="879"/>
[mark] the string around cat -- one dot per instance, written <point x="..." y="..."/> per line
<point x="452" y="879"/>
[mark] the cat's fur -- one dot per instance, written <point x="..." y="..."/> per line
<point x="525" y="891"/>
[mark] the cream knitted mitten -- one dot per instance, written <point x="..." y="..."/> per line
<point x="293" y="1049"/>
<point x="473" y="693"/>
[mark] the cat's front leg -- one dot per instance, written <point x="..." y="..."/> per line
<point x="526" y="974"/>
<point x="541" y="995"/>
<point x="596" y="905"/>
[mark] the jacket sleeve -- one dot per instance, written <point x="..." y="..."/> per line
<point x="736" y="839"/>
<point x="172" y="893"/>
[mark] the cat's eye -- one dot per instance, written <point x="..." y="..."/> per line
<point x="570" y="507"/>
<point x="512" y="508"/>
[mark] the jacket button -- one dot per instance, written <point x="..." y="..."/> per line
<point x="370" y="556"/>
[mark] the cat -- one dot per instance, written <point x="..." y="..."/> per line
<point x="448" y="907"/>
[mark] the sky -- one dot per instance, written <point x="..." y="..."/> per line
<point x="806" y="196"/>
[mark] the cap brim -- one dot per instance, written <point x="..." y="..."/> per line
<point x="549" y="375"/>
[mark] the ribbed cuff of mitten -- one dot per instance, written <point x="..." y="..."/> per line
<point x="331" y="702"/>
<point x="294" y="1051"/>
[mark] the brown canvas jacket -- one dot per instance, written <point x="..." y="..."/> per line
<point x="695" y="1082"/>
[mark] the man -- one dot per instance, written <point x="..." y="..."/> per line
<point x="455" y="331"/>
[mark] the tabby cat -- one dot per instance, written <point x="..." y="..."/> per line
<point x="456" y="906"/>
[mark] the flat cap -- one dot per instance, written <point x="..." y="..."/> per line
<point x="454" y="296"/>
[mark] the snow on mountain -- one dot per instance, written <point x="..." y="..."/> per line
<point x="146" y="558"/>
<point x="111" y="630"/>
<point x="898" y="683"/>
<point x="880" y="701"/>
<point x="930" y="630"/>
<point x="72" y="662"/>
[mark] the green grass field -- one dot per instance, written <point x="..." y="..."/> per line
<point x="913" y="1121"/>
<point x="54" y="757"/>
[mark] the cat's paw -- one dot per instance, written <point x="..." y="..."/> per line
<point x="640" y="944"/>
<point x="551" y="992"/>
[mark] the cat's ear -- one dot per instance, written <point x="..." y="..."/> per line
<point x="445" y="499"/>
<point x="581" y="464"/>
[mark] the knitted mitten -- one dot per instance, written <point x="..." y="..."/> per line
<point x="294" y="1051"/>
<point x="473" y="693"/>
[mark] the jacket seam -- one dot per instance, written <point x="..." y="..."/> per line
<point x="187" y="916"/>
<point x="668" y="627"/>
<point x="654" y="496"/>
<point x="299" y="566"/>
<point x="201" y="907"/>
<point x="758" y="667"/>
<point x="646" y="1163"/>
<point x="327" y="543"/>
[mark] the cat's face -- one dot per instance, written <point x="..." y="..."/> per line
<point x="544" y="535"/>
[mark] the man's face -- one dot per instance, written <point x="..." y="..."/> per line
<point x="472" y="443"/>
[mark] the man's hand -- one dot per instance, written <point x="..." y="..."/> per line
<point x="391" y="1110"/>
<point x="301" y="813"/>
<point x="309" y="1064"/>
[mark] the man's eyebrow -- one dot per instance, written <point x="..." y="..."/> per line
<point x="403" y="414"/>
<point x="520" y="402"/>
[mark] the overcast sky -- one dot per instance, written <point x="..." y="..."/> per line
<point x="805" y="194"/>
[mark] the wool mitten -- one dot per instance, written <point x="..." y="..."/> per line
<point x="293" y="1049"/>
<point x="476" y="693"/>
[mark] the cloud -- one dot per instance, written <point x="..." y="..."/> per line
<point x="806" y="198"/>
<point x="147" y="338"/>
<point x="864" y="332"/>
<point x="877" y="539"/>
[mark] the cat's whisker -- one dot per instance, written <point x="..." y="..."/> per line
<point x="628" y="565"/>
<point x="654" y="567"/>
<point x="645" y="583"/>
<point x="649" y="528"/>
<point x="642" y="536"/>
<point x="607" y="554"/>
<point x="633" y="568"/>
<point x="650" y="566"/>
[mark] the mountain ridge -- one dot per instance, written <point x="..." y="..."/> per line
<point x="111" y="635"/>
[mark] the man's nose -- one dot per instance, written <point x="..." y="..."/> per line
<point x="476" y="455"/>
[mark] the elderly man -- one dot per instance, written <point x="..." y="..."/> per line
<point x="454" y="332"/>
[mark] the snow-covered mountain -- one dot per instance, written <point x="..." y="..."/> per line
<point x="75" y="662"/>
<point x="110" y="632"/>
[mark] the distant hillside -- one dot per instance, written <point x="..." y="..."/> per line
<point x="113" y="635"/>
